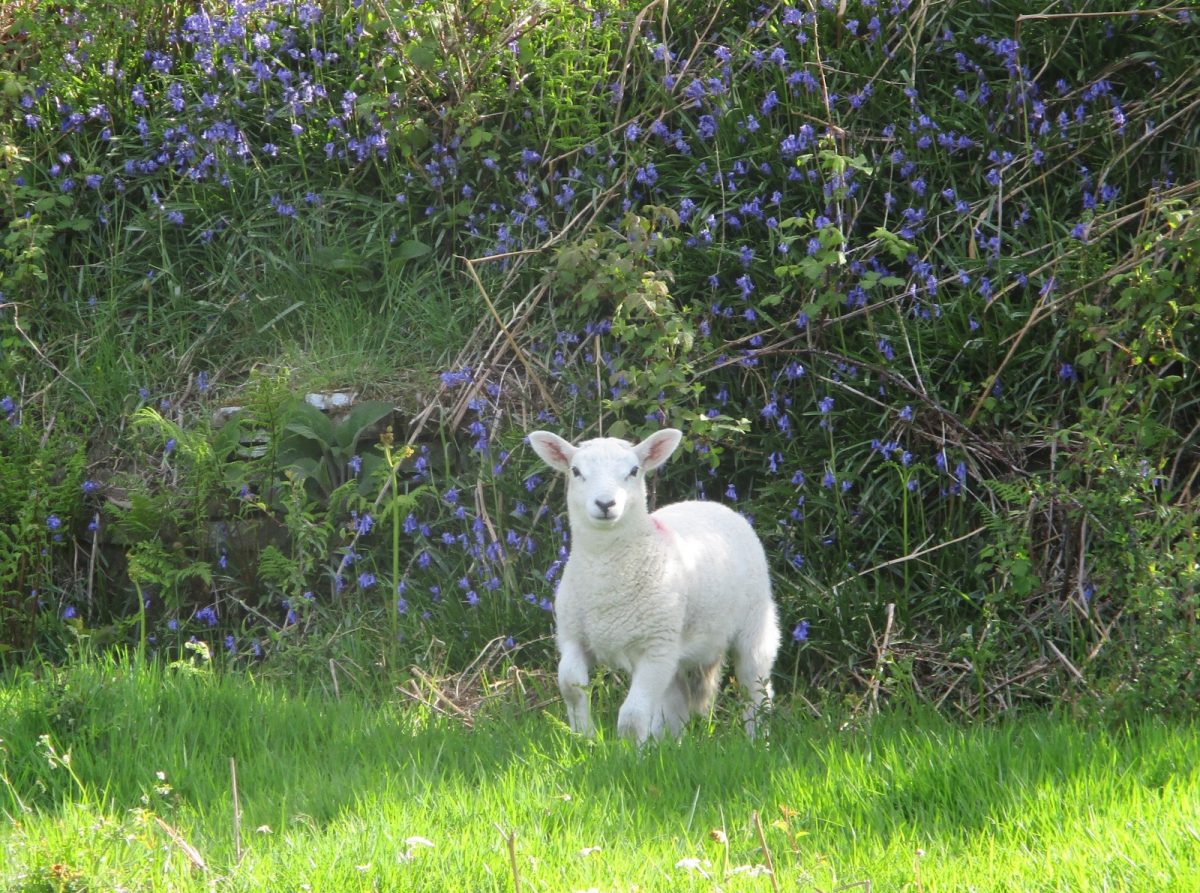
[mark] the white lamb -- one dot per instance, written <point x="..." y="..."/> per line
<point x="660" y="596"/>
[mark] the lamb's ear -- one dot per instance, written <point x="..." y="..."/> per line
<point x="658" y="447"/>
<point x="554" y="451"/>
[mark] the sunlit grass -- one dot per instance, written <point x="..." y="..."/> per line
<point x="370" y="792"/>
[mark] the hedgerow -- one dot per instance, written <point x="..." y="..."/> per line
<point x="917" y="280"/>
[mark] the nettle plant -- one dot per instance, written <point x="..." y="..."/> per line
<point x="235" y="535"/>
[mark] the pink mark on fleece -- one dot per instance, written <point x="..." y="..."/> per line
<point x="660" y="526"/>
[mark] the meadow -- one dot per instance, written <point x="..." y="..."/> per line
<point x="181" y="778"/>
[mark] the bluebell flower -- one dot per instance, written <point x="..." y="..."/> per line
<point x="800" y="632"/>
<point x="457" y="377"/>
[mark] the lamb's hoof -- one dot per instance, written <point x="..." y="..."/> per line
<point x="633" y="725"/>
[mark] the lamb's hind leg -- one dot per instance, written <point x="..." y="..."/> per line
<point x="701" y="685"/>
<point x="692" y="691"/>
<point x="673" y="711"/>
<point x="754" y="657"/>
<point x="574" y="665"/>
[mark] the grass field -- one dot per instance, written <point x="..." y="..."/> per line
<point x="119" y="779"/>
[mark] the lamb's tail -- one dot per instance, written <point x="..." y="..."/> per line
<point x="700" y="684"/>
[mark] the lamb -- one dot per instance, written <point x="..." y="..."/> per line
<point x="661" y="597"/>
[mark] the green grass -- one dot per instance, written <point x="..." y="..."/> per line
<point x="335" y="793"/>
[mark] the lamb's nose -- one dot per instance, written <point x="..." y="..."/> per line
<point x="605" y="506"/>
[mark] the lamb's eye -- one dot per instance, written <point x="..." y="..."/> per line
<point x="575" y="471"/>
<point x="633" y="471"/>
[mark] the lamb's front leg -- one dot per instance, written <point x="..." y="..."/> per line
<point x="646" y="707"/>
<point x="573" y="668"/>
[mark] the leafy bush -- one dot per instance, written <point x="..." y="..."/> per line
<point x="916" y="281"/>
<point x="42" y="494"/>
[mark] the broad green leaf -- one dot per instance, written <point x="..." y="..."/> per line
<point x="361" y="417"/>
<point x="412" y="249"/>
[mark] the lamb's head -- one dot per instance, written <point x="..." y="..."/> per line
<point x="606" y="476"/>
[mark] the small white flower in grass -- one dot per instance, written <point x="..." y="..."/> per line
<point x="414" y="843"/>
<point x="589" y="851"/>
<point x="263" y="829"/>
<point x="750" y="870"/>
<point x="693" y="864"/>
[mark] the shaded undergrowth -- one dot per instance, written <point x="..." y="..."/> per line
<point x="917" y="281"/>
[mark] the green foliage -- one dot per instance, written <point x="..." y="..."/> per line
<point x="320" y="448"/>
<point x="917" y="280"/>
<point x="41" y="504"/>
